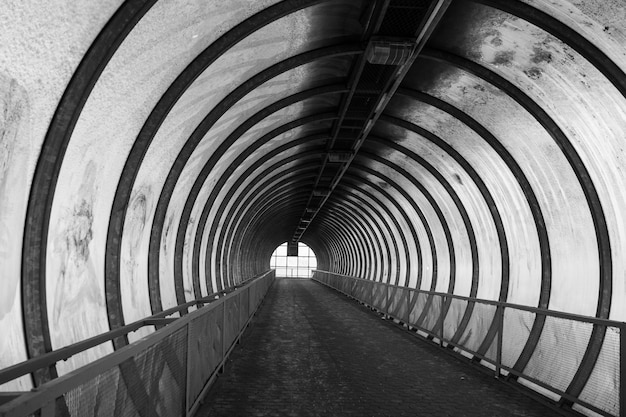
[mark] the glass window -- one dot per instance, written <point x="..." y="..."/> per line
<point x="300" y="266"/>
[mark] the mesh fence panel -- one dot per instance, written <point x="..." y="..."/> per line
<point x="559" y="352"/>
<point x="478" y="326"/>
<point x="380" y="296"/>
<point x="205" y="350"/>
<point x="232" y="320"/>
<point x="150" y="384"/>
<point x="352" y="287"/>
<point x="602" y="389"/>
<point x="418" y="301"/>
<point x="244" y="307"/>
<point x="398" y="302"/>
<point x="433" y="314"/>
<point x="456" y="308"/>
<point x="517" y="325"/>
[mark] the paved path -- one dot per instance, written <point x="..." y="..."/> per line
<point x="313" y="352"/>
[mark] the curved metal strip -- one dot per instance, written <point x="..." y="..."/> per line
<point x="597" y="213"/>
<point x="46" y="174"/>
<point x="457" y="201"/>
<point x="438" y="212"/>
<point x="223" y="148"/>
<point x="569" y="36"/>
<point x="200" y="131"/>
<point x="246" y="175"/>
<point x="522" y="180"/>
<point x="206" y="170"/>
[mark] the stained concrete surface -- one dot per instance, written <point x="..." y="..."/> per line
<point x="313" y="352"/>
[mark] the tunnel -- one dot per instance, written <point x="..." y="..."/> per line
<point x="154" y="153"/>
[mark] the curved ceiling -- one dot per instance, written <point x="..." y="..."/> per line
<point x="156" y="152"/>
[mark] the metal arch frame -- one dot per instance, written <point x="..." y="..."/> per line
<point x="204" y="126"/>
<point x="241" y="211"/>
<point x="372" y="215"/>
<point x="339" y="259"/>
<point x="442" y="220"/>
<point x="340" y="214"/>
<point x="147" y="133"/>
<point x="376" y="208"/>
<point x="299" y="142"/>
<point x="440" y="217"/>
<point x="403" y="239"/>
<point x="322" y="256"/>
<point x="206" y="170"/>
<point x="595" y="207"/>
<point x="564" y="33"/>
<point x="255" y="251"/>
<point x="235" y="188"/>
<point x="251" y="169"/>
<point x="353" y="255"/>
<point x="486" y="195"/>
<point x="277" y="197"/>
<point x="239" y="251"/>
<point x="350" y="247"/>
<point x="371" y="265"/>
<point x="429" y="234"/>
<point x="352" y="178"/>
<point x="516" y="171"/>
<point x="217" y="155"/>
<point x="41" y="195"/>
<point x="133" y="162"/>
<point x="368" y="269"/>
<point x="243" y="216"/>
<point x="464" y="216"/>
<point x="257" y="210"/>
<point x="374" y="235"/>
<point x="446" y="185"/>
<point x="231" y="139"/>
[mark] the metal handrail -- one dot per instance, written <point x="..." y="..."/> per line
<point x="31" y="365"/>
<point x="536" y="310"/>
<point x="46" y="397"/>
<point x="382" y="301"/>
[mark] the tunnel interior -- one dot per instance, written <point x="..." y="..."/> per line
<point x="155" y="152"/>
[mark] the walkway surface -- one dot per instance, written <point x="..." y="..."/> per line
<point x="314" y="352"/>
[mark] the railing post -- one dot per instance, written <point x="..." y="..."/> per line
<point x="622" y="370"/>
<point x="443" y="319"/>
<point x="408" y="307"/>
<point x="387" y="299"/>
<point x="500" y="318"/>
<point x="188" y="401"/>
<point x="223" y="334"/>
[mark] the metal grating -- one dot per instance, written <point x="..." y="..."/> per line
<point x="403" y="17"/>
<point x="151" y="383"/>
<point x="559" y="351"/>
<point x="517" y="325"/>
<point x="603" y="386"/>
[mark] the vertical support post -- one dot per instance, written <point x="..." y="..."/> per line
<point x="408" y="308"/>
<point x="622" y="370"/>
<point x="500" y="318"/>
<point x="223" y="334"/>
<point x="188" y="367"/>
<point x="443" y="304"/>
<point x="387" y="299"/>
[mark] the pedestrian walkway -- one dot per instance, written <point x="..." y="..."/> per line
<point x="314" y="352"/>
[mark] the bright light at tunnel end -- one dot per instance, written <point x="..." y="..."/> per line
<point x="300" y="266"/>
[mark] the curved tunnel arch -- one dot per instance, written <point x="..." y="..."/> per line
<point x="510" y="112"/>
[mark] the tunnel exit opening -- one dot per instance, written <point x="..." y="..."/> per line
<point x="300" y="266"/>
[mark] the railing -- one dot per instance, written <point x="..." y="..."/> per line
<point x="495" y="334"/>
<point x="166" y="373"/>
